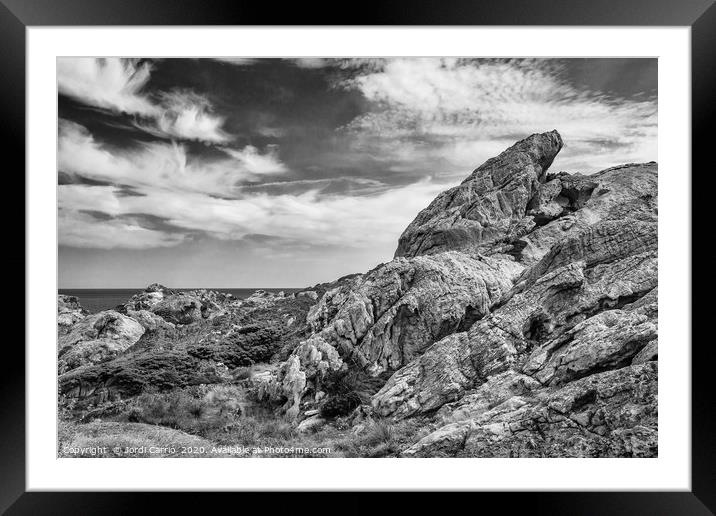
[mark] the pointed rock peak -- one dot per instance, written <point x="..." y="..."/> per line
<point x="538" y="150"/>
<point x="487" y="205"/>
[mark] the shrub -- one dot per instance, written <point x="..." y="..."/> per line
<point x="189" y="411"/>
<point x="244" y="347"/>
<point x="376" y="433"/>
<point x="340" y="405"/>
<point x="241" y="373"/>
<point x="255" y="432"/>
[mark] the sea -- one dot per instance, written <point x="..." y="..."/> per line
<point x="98" y="299"/>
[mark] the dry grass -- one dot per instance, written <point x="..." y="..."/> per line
<point x="261" y="437"/>
<point x="196" y="411"/>
<point x="112" y="439"/>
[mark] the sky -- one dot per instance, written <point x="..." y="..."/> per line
<point x="249" y="173"/>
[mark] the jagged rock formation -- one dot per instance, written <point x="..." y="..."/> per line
<point x="508" y="290"/>
<point x="587" y="304"/>
<point x="392" y="314"/>
<point x="488" y="206"/>
<point x="380" y="321"/>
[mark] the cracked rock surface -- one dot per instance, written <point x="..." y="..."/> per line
<point x="580" y="319"/>
<point x="519" y="315"/>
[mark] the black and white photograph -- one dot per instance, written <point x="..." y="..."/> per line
<point x="405" y="257"/>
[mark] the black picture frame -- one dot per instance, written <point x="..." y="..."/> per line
<point x="700" y="15"/>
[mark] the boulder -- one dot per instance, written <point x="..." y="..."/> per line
<point x="97" y="338"/>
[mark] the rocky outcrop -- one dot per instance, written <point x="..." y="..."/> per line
<point x="624" y="193"/>
<point x="150" y="321"/>
<point x="97" y="338"/>
<point x="512" y="284"/>
<point x="487" y="207"/>
<point x="608" y="340"/>
<point x="613" y="413"/>
<point x="179" y="309"/>
<point x="587" y="305"/>
<point x="380" y="321"/>
<point x="69" y="311"/>
<point x="312" y="360"/>
<point x="149" y="297"/>
<point x="393" y="313"/>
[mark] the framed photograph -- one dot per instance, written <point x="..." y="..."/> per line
<point x="423" y="249"/>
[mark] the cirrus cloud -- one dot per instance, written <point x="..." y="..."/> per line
<point x="119" y="85"/>
<point x="460" y="112"/>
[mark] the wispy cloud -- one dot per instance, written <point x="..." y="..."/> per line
<point x="313" y="220"/>
<point x="118" y="85"/>
<point x="111" y="83"/>
<point x="80" y="229"/>
<point x="192" y="195"/>
<point x="465" y="110"/>
<point x="238" y="61"/>
<point x="187" y="116"/>
<point x="311" y="62"/>
<point x="161" y="165"/>
<point x="256" y="163"/>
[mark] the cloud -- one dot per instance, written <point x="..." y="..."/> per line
<point x="119" y="85"/>
<point x="461" y="112"/>
<point x="80" y="229"/>
<point x="256" y="163"/>
<point x="187" y="116"/>
<point x="238" y="61"/>
<point x="308" y="218"/>
<point x="162" y="165"/>
<point x="311" y="62"/>
<point x="108" y="83"/>
<point x="175" y="197"/>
